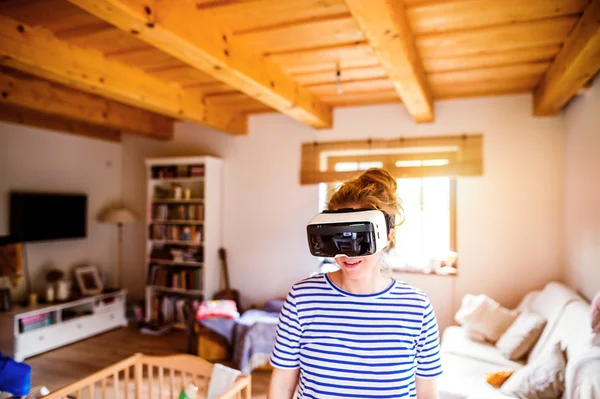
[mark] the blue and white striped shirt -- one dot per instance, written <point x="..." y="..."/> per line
<point x="357" y="346"/>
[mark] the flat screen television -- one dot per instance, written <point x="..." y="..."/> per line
<point x="47" y="216"/>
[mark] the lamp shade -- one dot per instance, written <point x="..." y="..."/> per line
<point x="118" y="215"/>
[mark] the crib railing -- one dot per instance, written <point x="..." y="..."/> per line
<point x="150" y="377"/>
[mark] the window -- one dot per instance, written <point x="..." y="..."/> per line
<point x="428" y="235"/>
<point x="426" y="169"/>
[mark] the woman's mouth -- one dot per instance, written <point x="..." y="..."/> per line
<point x="351" y="263"/>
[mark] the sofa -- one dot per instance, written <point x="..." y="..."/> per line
<point x="466" y="362"/>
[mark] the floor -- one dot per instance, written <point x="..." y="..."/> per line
<point x="64" y="365"/>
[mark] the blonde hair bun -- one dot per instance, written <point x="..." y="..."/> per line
<point x="380" y="177"/>
<point x="375" y="188"/>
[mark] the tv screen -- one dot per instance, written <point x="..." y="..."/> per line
<point x="41" y="217"/>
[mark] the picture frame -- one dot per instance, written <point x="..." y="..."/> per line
<point x="88" y="280"/>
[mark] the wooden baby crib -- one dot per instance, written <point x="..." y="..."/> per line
<point x="150" y="377"/>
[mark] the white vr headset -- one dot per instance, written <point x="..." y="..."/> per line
<point x="350" y="232"/>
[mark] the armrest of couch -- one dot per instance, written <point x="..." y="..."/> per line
<point x="582" y="376"/>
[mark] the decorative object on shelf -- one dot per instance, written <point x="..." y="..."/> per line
<point x="53" y="276"/>
<point x="63" y="290"/>
<point x="177" y="191"/>
<point x="33" y="299"/>
<point x="88" y="280"/>
<point x="119" y="216"/>
<point x="50" y="293"/>
<point x="187" y="194"/>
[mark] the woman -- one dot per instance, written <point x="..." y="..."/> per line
<point x="355" y="333"/>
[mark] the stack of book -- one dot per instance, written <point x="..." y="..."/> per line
<point x="176" y="233"/>
<point x="177" y="254"/>
<point x="197" y="171"/>
<point x="160" y="212"/>
<point x="177" y="212"/>
<point x="34" y="322"/>
<point x="168" y="277"/>
<point x="188" y="212"/>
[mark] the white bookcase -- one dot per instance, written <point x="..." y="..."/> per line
<point x="183" y="235"/>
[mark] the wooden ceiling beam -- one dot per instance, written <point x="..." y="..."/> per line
<point x="576" y="63"/>
<point x="194" y="37"/>
<point x="39" y="95"/>
<point x="41" y="120"/>
<point x="36" y="51"/>
<point x="386" y="26"/>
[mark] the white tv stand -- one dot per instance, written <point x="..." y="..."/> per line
<point x="70" y="322"/>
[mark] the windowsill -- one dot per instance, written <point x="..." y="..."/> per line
<point x="423" y="272"/>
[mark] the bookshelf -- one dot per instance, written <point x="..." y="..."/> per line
<point x="183" y="234"/>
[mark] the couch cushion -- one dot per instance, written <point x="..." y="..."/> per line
<point x="543" y="378"/>
<point x="455" y="341"/>
<point x="464" y="377"/>
<point x="520" y="337"/>
<point x="550" y="304"/>
<point x="483" y="316"/>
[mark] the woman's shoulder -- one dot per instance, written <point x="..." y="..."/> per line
<point x="403" y="290"/>
<point x="314" y="281"/>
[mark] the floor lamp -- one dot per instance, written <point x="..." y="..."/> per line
<point x="119" y="216"/>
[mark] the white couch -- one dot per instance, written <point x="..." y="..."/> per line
<point x="466" y="362"/>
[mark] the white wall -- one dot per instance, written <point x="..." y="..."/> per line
<point x="510" y="221"/>
<point x="38" y="160"/>
<point x="582" y="229"/>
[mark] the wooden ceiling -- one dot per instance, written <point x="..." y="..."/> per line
<point x="215" y="61"/>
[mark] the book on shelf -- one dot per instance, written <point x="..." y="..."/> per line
<point x="31" y="323"/>
<point x="197" y="170"/>
<point x="192" y="234"/>
<point x="177" y="171"/>
<point x="166" y="212"/>
<point x="176" y="254"/>
<point x="171" y="277"/>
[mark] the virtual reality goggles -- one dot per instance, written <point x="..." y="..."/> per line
<point x="350" y="232"/>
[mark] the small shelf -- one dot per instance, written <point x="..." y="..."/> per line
<point x="177" y="290"/>
<point x="178" y="201"/>
<point x="176" y="263"/>
<point x="178" y="179"/>
<point x="176" y="221"/>
<point x="190" y="243"/>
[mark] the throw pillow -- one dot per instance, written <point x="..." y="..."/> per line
<point x="544" y="378"/>
<point x="484" y="317"/>
<point x="498" y="378"/>
<point x="521" y="336"/>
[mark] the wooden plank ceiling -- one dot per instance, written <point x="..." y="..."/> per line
<point x="303" y="57"/>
